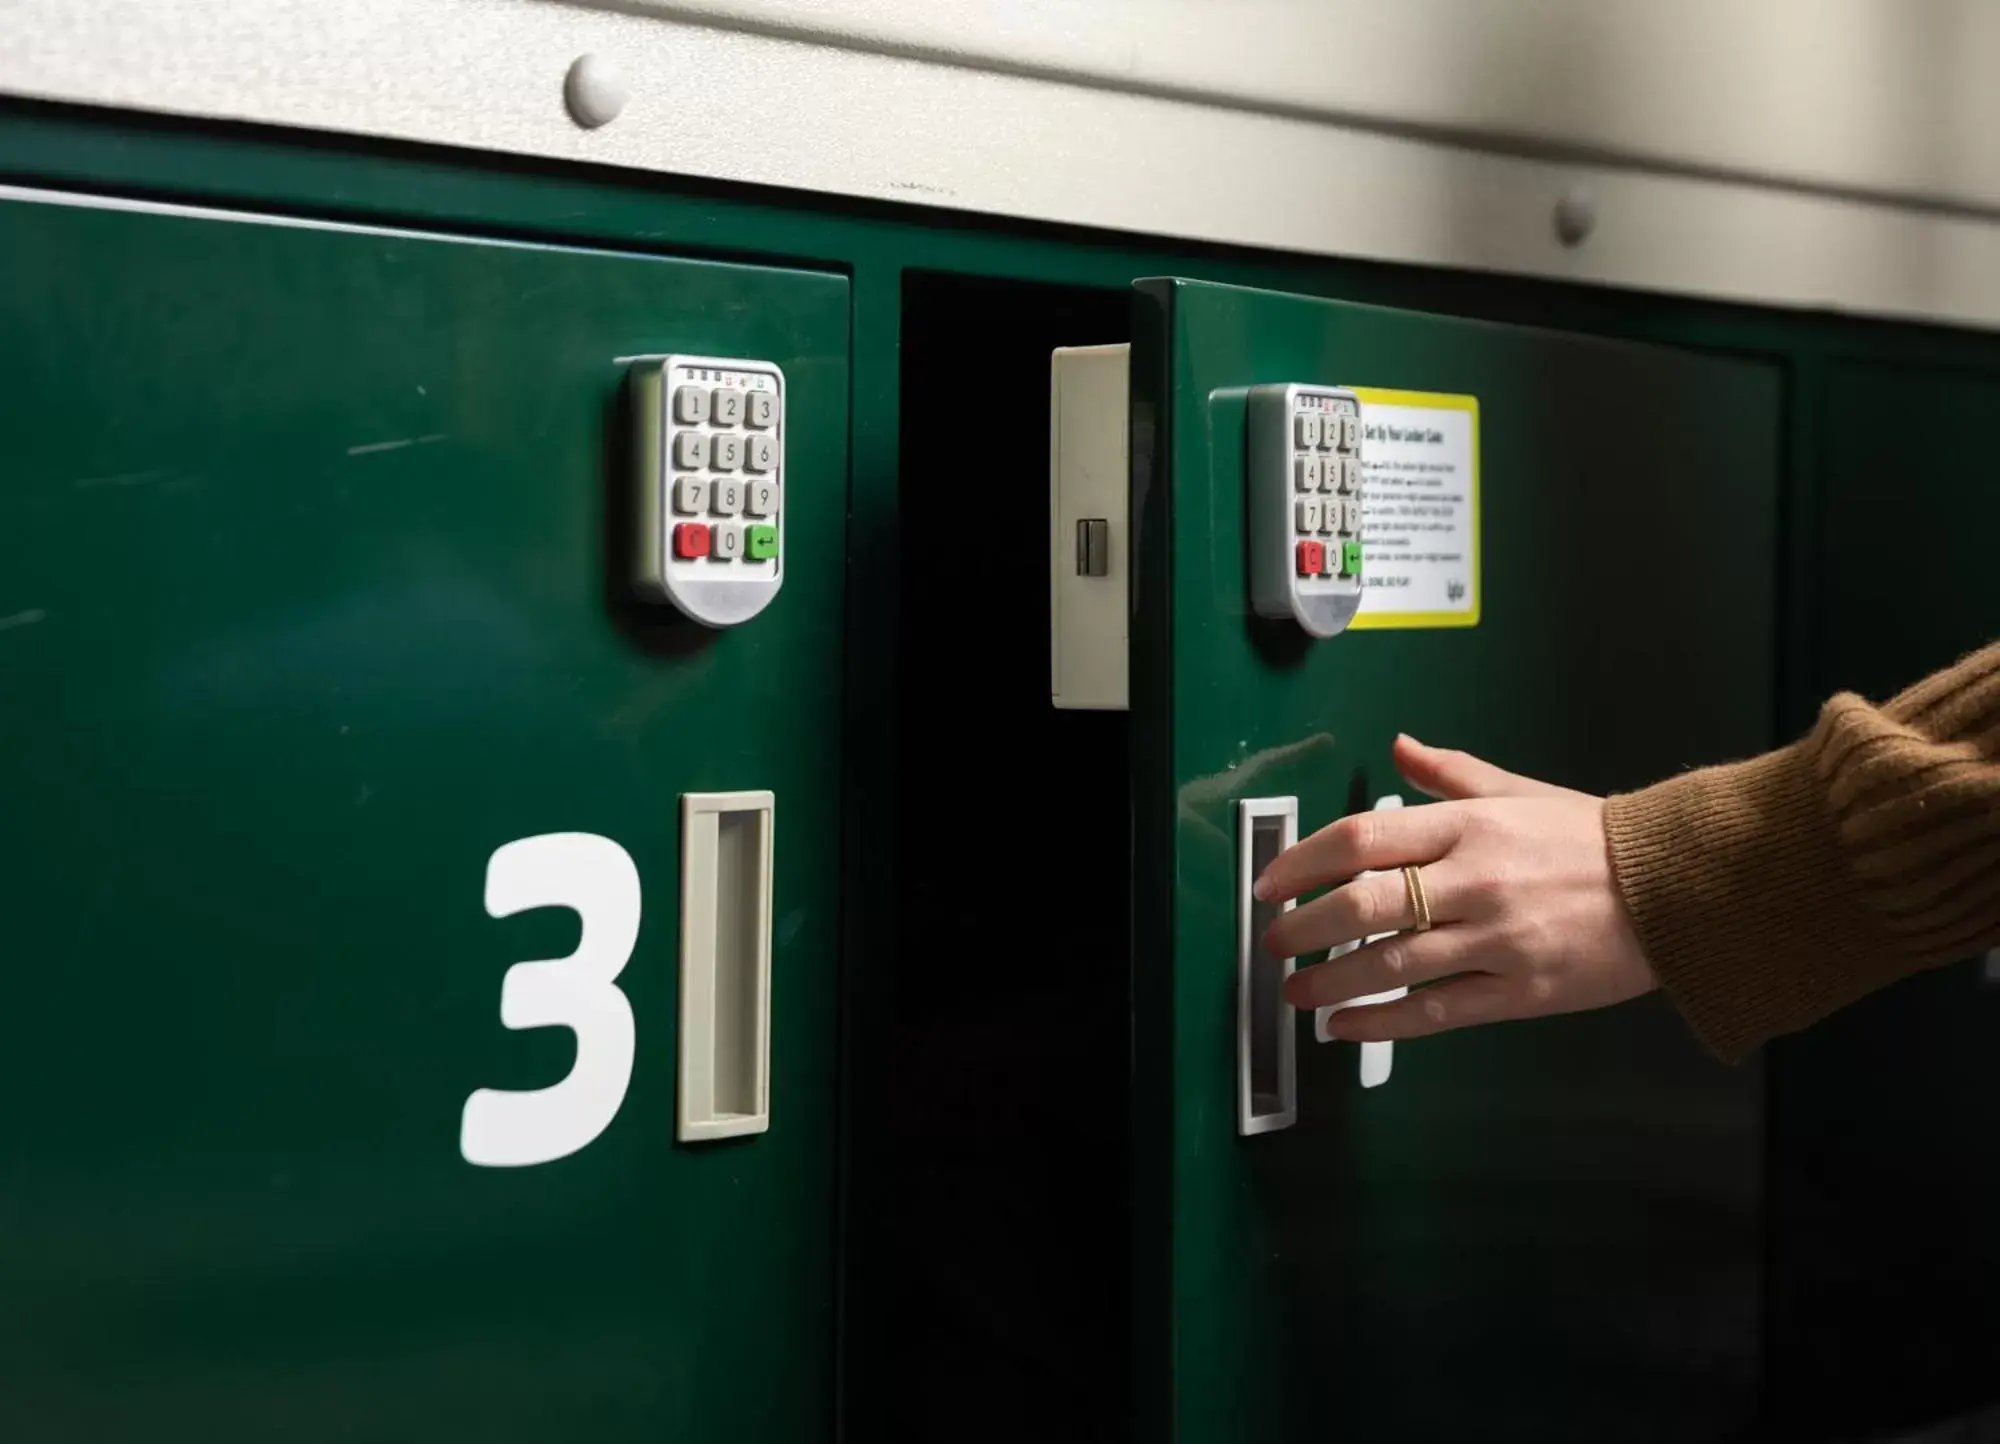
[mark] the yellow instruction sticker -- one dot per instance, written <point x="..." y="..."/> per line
<point x="1419" y="509"/>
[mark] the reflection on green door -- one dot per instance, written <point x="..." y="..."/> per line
<point x="306" y="611"/>
<point x="1541" y="1231"/>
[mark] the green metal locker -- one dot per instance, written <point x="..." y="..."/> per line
<point x="311" y="541"/>
<point x="1547" y="1230"/>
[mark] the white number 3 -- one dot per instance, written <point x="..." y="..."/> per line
<point x="594" y="877"/>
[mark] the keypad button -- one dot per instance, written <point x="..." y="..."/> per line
<point x="760" y="410"/>
<point x="726" y="406"/>
<point x="725" y="453"/>
<point x="1312" y="557"/>
<point x="690" y="495"/>
<point x="691" y="405"/>
<point x="760" y="498"/>
<point x="761" y="543"/>
<point x="1329" y="473"/>
<point x="728" y="542"/>
<point x="1350" y="516"/>
<point x="1350" y="559"/>
<point x="691" y="450"/>
<point x="728" y="497"/>
<point x="690" y="540"/>
<point x="1350" y="432"/>
<point x="760" y="454"/>
<point x="1330" y="522"/>
<point x="1305" y="473"/>
<point x="1310" y="514"/>
<point x="1305" y="426"/>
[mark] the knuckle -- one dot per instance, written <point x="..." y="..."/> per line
<point x="1368" y="905"/>
<point x="1395" y="959"/>
<point x="1486" y="885"/>
<point x="1530" y="939"/>
<point x="1364" y="831"/>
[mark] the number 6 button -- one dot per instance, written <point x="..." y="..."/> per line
<point x="760" y="453"/>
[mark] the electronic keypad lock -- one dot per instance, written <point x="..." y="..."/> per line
<point x="1303" y="479"/>
<point x="709" y="493"/>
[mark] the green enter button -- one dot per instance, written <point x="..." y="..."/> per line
<point x="762" y="544"/>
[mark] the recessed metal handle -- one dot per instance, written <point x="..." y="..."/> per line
<point x="725" y="1041"/>
<point x="1267" y="1071"/>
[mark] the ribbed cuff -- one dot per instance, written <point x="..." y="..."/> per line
<point x="1741" y="898"/>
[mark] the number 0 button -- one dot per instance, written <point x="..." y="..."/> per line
<point x="728" y="542"/>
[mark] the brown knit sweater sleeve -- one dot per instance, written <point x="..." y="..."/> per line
<point x="1771" y="892"/>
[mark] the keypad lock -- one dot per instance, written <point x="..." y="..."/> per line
<point x="1303" y="482"/>
<point x="710" y="488"/>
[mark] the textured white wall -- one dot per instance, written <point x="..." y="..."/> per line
<point x="1835" y="153"/>
<point x="1891" y="97"/>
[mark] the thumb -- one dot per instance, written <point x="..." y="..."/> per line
<point x="1455" y="776"/>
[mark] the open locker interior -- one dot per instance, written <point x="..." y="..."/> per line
<point x="1002" y="1220"/>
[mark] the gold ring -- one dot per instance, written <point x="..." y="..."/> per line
<point x="1413" y="884"/>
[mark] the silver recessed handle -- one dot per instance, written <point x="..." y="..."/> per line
<point x="1267" y="1071"/>
<point x="725" y="1042"/>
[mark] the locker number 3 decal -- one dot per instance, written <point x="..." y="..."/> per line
<point x="594" y="877"/>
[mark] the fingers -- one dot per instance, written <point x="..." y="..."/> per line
<point x="1366" y="906"/>
<point x="1398" y="962"/>
<point x="1459" y="775"/>
<point x="1365" y="841"/>
<point x="1459" y="1003"/>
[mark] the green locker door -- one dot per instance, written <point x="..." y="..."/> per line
<point x="1539" y="1231"/>
<point x="1885" y="1267"/>
<point x="308" y="608"/>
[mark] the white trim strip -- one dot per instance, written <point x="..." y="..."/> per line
<point x="739" y="102"/>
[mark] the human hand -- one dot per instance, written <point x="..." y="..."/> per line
<point x="1526" y="918"/>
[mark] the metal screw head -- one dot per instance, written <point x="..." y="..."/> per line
<point x="1575" y="218"/>
<point x="594" y="91"/>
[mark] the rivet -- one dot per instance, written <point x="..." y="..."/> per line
<point x="1575" y="218"/>
<point x="594" y="91"/>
